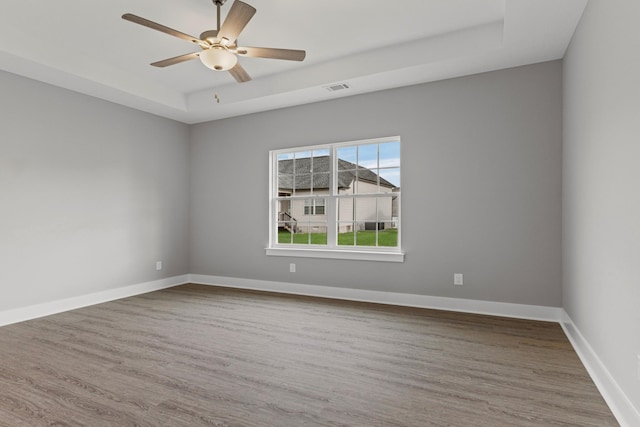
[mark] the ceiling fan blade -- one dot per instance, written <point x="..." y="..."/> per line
<point x="267" y="52"/>
<point x="176" y="59"/>
<point x="239" y="73"/>
<point x="239" y="15"/>
<point x="158" y="27"/>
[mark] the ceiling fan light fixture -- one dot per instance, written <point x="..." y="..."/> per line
<point x="220" y="46"/>
<point x="218" y="59"/>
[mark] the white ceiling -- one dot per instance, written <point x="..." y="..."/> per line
<point x="84" y="45"/>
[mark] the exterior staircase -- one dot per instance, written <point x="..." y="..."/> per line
<point x="289" y="223"/>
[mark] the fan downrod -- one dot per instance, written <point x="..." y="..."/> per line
<point x="218" y="4"/>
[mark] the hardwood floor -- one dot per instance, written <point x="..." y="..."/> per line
<point x="195" y="355"/>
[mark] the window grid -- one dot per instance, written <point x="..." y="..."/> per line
<point x="335" y="226"/>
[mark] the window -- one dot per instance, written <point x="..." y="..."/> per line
<point x="314" y="206"/>
<point x="337" y="201"/>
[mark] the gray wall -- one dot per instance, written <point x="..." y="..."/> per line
<point x="91" y="194"/>
<point x="602" y="186"/>
<point x="481" y="187"/>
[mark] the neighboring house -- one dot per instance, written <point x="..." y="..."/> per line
<point x="311" y="177"/>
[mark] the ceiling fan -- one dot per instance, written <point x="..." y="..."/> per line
<point x="220" y="47"/>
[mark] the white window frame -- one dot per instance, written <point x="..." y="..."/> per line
<point x="332" y="249"/>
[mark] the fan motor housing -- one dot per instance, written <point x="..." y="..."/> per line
<point x="210" y="36"/>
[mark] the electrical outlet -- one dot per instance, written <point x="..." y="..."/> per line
<point x="158" y="265"/>
<point x="292" y="268"/>
<point x="458" y="279"/>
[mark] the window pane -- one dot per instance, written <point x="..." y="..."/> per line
<point x="347" y="158"/>
<point x="317" y="233"/>
<point x="366" y="181"/>
<point x="295" y="173"/>
<point x="346" y="237"/>
<point x="389" y="178"/>
<point x="390" y="154"/>
<point x="346" y="224"/>
<point x="346" y="210"/>
<point x="285" y="184"/>
<point x="387" y="221"/>
<point x="386" y="206"/>
<point x="302" y="166"/>
<point x="366" y="237"/>
<point x="311" y="171"/>
<point x="346" y="182"/>
<point x="368" y="156"/>
<point x="366" y="209"/>
<point x="296" y="209"/>
<point x="310" y="233"/>
<point x="302" y="184"/>
<point x="320" y="162"/>
<point x="302" y="233"/>
<point x="388" y="237"/>
<point x="321" y="182"/>
<point x="285" y="236"/>
<point x="284" y="216"/>
<point x="371" y="218"/>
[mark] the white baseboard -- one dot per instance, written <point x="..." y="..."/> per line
<point x="522" y="311"/>
<point x="623" y="409"/>
<point x="8" y="317"/>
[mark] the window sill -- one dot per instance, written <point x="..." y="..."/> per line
<point x="337" y="254"/>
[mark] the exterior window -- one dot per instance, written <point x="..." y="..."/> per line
<point x="314" y="207"/>
<point x="337" y="201"/>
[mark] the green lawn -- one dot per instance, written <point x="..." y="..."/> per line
<point x="302" y="238"/>
<point x="387" y="238"/>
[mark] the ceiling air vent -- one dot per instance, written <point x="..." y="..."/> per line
<point x="337" y="87"/>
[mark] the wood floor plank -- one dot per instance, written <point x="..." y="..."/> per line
<point x="195" y="355"/>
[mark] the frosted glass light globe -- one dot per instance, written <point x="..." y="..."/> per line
<point x="218" y="58"/>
